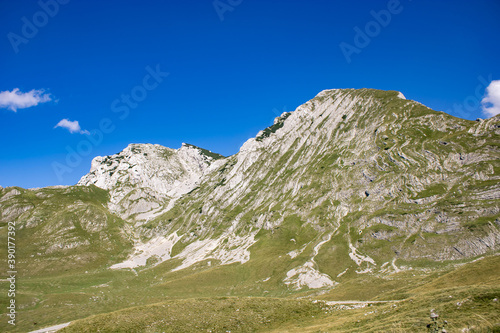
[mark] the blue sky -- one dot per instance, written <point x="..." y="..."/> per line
<point x="232" y="67"/>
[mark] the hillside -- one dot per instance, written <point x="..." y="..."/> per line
<point x="356" y="195"/>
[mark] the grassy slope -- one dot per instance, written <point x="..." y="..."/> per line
<point x="49" y="301"/>
<point x="55" y="276"/>
<point x="67" y="229"/>
<point x="464" y="296"/>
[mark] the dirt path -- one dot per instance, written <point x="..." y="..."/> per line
<point x="51" y="329"/>
<point x="360" y="302"/>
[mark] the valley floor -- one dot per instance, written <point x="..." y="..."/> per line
<point x="466" y="296"/>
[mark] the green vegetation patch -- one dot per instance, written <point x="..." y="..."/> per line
<point x="272" y="129"/>
<point x="203" y="315"/>
<point x="206" y="152"/>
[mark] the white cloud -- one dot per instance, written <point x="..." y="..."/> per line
<point x="491" y="102"/>
<point x="71" y="126"/>
<point x="15" y="99"/>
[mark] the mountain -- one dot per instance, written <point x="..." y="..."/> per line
<point x="354" y="189"/>
<point x="381" y="175"/>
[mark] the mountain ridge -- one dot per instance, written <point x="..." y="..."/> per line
<point x="249" y="152"/>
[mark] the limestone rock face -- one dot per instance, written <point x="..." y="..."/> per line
<point x="385" y="176"/>
<point x="144" y="179"/>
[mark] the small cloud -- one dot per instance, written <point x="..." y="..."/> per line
<point x="491" y="102"/>
<point x="71" y="126"/>
<point x="15" y="99"/>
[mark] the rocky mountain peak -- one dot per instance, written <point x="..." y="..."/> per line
<point x="145" y="179"/>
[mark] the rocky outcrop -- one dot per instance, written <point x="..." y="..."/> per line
<point x="145" y="180"/>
